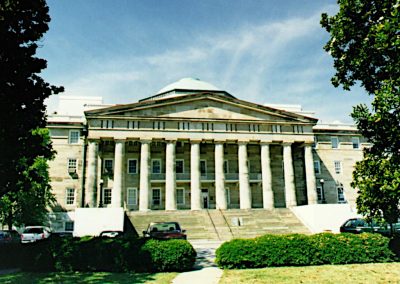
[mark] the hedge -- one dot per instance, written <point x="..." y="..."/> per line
<point x="100" y="254"/>
<point x="302" y="250"/>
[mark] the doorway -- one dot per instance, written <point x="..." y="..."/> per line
<point x="204" y="198"/>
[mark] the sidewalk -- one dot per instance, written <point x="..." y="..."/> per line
<point x="205" y="270"/>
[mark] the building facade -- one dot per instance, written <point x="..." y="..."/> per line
<point x="192" y="146"/>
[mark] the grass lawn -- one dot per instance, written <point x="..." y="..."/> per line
<point x="351" y="273"/>
<point x="96" y="277"/>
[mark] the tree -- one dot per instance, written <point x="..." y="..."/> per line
<point x="22" y="94"/>
<point x="364" y="43"/>
<point x="28" y="205"/>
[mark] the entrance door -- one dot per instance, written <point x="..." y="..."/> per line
<point x="204" y="197"/>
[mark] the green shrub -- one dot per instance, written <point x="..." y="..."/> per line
<point x="296" y="249"/>
<point x="171" y="255"/>
<point x="102" y="254"/>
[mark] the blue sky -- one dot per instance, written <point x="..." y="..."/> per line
<point x="263" y="51"/>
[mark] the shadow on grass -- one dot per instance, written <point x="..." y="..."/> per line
<point x="76" y="277"/>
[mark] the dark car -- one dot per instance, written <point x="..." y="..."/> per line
<point x="7" y="237"/>
<point x="164" y="231"/>
<point x="359" y="225"/>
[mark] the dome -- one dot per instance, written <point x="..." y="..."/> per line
<point x="191" y="84"/>
<point x="186" y="86"/>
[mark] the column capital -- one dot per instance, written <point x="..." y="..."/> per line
<point x="243" y="142"/>
<point x="120" y="140"/>
<point x="266" y="142"/>
<point x="287" y="143"/>
<point x="195" y="141"/>
<point x="170" y="141"/>
<point x="307" y="144"/>
<point x="219" y="141"/>
<point x="145" y="141"/>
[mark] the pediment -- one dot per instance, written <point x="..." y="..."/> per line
<point x="202" y="107"/>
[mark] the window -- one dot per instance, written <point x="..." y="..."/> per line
<point x="180" y="166"/>
<point x="132" y="166"/>
<point x="131" y="196"/>
<point x="226" y="167"/>
<point x="156" y="196"/>
<point x="338" y="167"/>
<point x="319" y="193"/>
<point x="228" y="195"/>
<point x="73" y="137"/>
<point x="340" y="195"/>
<point x="72" y="166"/>
<point x="108" y="166"/>
<point x="335" y="142"/>
<point x="180" y="196"/>
<point x="203" y="168"/>
<point x="356" y="142"/>
<point x="156" y="166"/>
<point x="317" y="167"/>
<point x="69" y="226"/>
<point x="70" y="196"/>
<point x="106" y="196"/>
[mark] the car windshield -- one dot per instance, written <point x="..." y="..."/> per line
<point x="33" y="231"/>
<point x="164" y="227"/>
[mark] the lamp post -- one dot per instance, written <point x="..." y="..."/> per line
<point x="101" y="193"/>
<point x="322" y="181"/>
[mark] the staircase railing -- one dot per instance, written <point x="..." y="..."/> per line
<point x="226" y="222"/>
<point x="213" y="224"/>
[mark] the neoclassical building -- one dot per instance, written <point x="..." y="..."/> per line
<point x="193" y="146"/>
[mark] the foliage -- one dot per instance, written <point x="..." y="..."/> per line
<point x="171" y="255"/>
<point x="364" y="43"/>
<point x="22" y="94"/>
<point x="296" y="249"/>
<point x="28" y="205"/>
<point x="101" y="254"/>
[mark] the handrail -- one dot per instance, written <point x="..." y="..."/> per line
<point x="212" y="222"/>
<point x="226" y="221"/>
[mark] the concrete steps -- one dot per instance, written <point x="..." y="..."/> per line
<point x="224" y="224"/>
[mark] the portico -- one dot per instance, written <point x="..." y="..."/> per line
<point x="198" y="149"/>
<point x="228" y="168"/>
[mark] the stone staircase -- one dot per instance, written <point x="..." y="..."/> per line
<point x="224" y="224"/>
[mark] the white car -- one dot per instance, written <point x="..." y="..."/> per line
<point x="33" y="234"/>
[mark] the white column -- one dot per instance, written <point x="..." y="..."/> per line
<point x="244" y="185"/>
<point x="195" y="181"/>
<point x="170" y="177"/>
<point x="310" y="175"/>
<point x="119" y="157"/>
<point x="290" y="188"/>
<point x="91" y="182"/>
<point x="268" y="194"/>
<point x="220" y="194"/>
<point x="144" y="190"/>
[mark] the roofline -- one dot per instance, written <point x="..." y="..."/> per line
<point x="233" y="100"/>
<point x="185" y="90"/>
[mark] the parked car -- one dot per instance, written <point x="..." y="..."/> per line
<point x="7" y="237"/>
<point x="359" y="225"/>
<point x="111" y="234"/>
<point x="164" y="231"/>
<point x="35" y="233"/>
